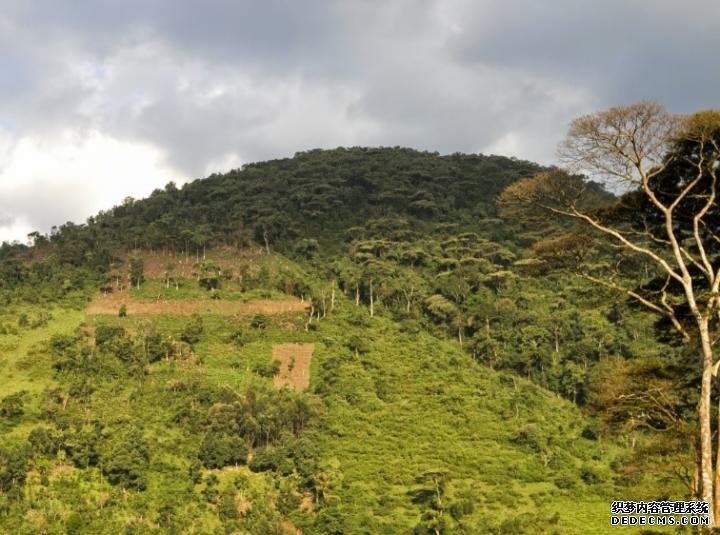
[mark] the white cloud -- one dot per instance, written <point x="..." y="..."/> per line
<point x="50" y="181"/>
<point x="15" y="231"/>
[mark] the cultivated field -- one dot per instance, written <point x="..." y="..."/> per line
<point x="294" y="365"/>
<point x="111" y="303"/>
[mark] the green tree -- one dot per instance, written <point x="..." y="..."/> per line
<point x="12" y="406"/>
<point x="193" y="330"/>
<point x="429" y="493"/>
<point x="209" y="275"/>
<point x="668" y="218"/>
<point x="126" y="459"/>
<point x="13" y="467"/>
<point x="137" y="268"/>
<point x="221" y="449"/>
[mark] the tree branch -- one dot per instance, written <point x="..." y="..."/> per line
<point x="666" y="310"/>
<point x="616" y="234"/>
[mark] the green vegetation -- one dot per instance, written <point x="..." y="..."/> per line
<point x="463" y="379"/>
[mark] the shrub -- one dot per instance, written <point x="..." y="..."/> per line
<point x="82" y="447"/>
<point x="12" y="406"/>
<point x="358" y="344"/>
<point x="226" y="508"/>
<point x="41" y="321"/>
<point x="590" y="475"/>
<point x="589" y="432"/>
<point x="13" y="467"/>
<point x="193" y="330"/>
<point x="106" y="333"/>
<point x="218" y="450"/>
<point x="43" y="441"/>
<point x="565" y="481"/>
<point x="238" y="337"/>
<point x="529" y="435"/>
<point x="126" y="460"/>
<point x="259" y="321"/>
<point x="154" y="346"/>
<point x="264" y="459"/>
<point x="74" y="523"/>
<point x="209" y="275"/>
<point x="267" y="369"/>
<point x="461" y="508"/>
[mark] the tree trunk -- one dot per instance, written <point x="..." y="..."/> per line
<point x="706" y="465"/>
<point x="372" y="302"/>
<point x="695" y="484"/>
<point x="357" y="294"/>
<point x="716" y="506"/>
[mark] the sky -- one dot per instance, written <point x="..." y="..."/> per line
<point x="101" y="100"/>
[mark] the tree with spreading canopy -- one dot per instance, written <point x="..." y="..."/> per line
<point x="665" y="222"/>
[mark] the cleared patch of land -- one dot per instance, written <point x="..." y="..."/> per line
<point x="157" y="263"/>
<point x="294" y="365"/>
<point x="111" y="303"/>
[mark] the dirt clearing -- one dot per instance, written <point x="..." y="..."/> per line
<point x="156" y="263"/>
<point x="294" y="365"/>
<point x="110" y="304"/>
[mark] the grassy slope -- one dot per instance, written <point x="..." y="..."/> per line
<point x="409" y="404"/>
<point x="441" y="410"/>
<point x="22" y="367"/>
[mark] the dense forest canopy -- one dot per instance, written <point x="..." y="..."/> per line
<point x="316" y="194"/>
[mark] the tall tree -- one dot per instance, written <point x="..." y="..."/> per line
<point x="667" y="165"/>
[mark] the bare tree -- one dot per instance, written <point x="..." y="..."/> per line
<point x="667" y="167"/>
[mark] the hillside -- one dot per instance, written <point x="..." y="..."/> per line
<point x="347" y="341"/>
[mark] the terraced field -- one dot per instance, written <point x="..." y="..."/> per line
<point x="111" y="303"/>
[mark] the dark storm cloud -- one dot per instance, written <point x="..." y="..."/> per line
<point x="205" y="85"/>
<point x="623" y="50"/>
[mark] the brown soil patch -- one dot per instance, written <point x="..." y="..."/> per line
<point x="294" y="365"/>
<point x="307" y="503"/>
<point x="111" y="303"/>
<point x="155" y="263"/>
<point x="288" y="528"/>
<point x="61" y="470"/>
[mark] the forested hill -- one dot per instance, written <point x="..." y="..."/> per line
<point x="318" y="194"/>
<point x="447" y="373"/>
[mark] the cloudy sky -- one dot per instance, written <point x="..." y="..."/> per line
<point x="103" y="99"/>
